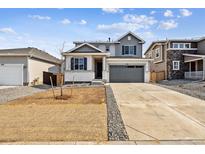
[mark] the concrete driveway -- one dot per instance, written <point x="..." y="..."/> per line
<point x="158" y="115"/>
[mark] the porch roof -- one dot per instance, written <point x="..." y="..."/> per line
<point x="192" y="57"/>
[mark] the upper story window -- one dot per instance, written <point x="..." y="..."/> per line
<point x="181" y="45"/>
<point x="157" y="53"/>
<point x="150" y="55"/>
<point x="176" y="65"/>
<point x="187" y="45"/>
<point x="128" y="50"/>
<point x="129" y="38"/>
<point x="107" y="48"/>
<point x="78" y="63"/>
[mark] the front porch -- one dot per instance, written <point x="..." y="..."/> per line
<point x="194" y="67"/>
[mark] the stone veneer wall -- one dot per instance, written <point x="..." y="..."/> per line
<point x="176" y="55"/>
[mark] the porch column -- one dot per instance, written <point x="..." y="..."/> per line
<point x="189" y="69"/>
<point x="196" y="66"/>
<point x="104" y="66"/>
<point x="203" y="68"/>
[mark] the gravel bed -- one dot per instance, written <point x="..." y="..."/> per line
<point x="188" y="87"/>
<point x="9" y="94"/>
<point x="116" y="128"/>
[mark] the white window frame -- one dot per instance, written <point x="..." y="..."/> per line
<point x="188" y="44"/>
<point x="129" y="38"/>
<point x="79" y="69"/>
<point x="129" y="51"/>
<point x="107" y="48"/>
<point x="176" y="66"/>
<point x="150" y="55"/>
<point x="178" y="46"/>
<point x="157" y="51"/>
<point x="174" y="45"/>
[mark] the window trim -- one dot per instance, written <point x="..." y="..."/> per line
<point x="157" y="50"/>
<point x="107" y="49"/>
<point x="79" y="64"/>
<point x="188" y="44"/>
<point x="129" y="53"/>
<point x="173" y="65"/>
<point x="150" y="54"/>
<point x="178" y="46"/>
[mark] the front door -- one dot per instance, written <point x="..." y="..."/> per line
<point x="98" y="70"/>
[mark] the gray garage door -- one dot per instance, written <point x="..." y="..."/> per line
<point x="126" y="73"/>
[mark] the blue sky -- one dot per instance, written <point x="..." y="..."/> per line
<point x="47" y="29"/>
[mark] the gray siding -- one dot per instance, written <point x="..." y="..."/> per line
<point x="125" y="41"/>
<point x="86" y="49"/>
<point x="201" y="47"/>
<point x="16" y="60"/>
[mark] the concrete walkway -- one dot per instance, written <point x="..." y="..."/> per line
<point x="155" y="114"/>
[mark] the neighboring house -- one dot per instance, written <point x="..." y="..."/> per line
<point x="178" y="58"/>
<point x="109" y="61"/>
<point x="25" y="66"/>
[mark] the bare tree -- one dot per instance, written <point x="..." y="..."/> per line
<point x="60" y="52"/>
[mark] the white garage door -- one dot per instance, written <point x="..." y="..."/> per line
<point x="11" y="74"/>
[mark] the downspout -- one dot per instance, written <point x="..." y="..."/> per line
<point x="165" y="59"/>
<point x="203" y="69"/>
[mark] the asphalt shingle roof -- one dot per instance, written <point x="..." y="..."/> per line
<point x="32" y="52"/>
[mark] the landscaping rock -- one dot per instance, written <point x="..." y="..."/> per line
<point x="116" y="128"/>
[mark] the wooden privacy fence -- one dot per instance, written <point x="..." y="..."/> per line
<point x="57" y="78"/>
<point x="157" y="76"/>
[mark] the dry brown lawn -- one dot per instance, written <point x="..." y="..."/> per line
<point x="40" y="117"/>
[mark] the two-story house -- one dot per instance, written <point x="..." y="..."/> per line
<point x="110" y="61"/>
<point x="178" y="58"/>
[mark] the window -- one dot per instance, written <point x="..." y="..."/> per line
<point x="175" y="45"/>
<point x="157" y="53"/>
<point x="128" y="50"/>
<point x="107" y="49"/>
<point x="129" y="38"/>
<point x="176" y="65"/>
<point x="181" y="45"/>
<point x="78" y="63"/>
<point x="187" y="45"/>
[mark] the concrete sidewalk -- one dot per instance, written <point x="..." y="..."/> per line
<point x="150" y="142"/>
<point x="152" y="113"/>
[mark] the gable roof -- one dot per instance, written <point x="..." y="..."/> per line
<point x="131" y="33"/>
<point x="80" y="46"/>
<point x="153" y="43"/>
<point x="31" y="52"/>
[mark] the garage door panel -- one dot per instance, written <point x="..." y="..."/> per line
<point x="126" y="73"/>
<point x="11" y="74"/>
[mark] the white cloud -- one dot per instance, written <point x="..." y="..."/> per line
<point x="112" y="10"/>
<point x="7" y="30"/>
<point x="185" y="12"/>
<point x="143" y="20"/>
<point x="38" y="17"/>
<point x="169" y="24"/>
<point x="147" y="35"/>
<point x="152" y="12"/>
<point x="130" y="23"/>
<point x="83" y="22"/>
<point x="2" y="39"/>
<point x="168" y="13"/>
<point x="119" y="27"/>
<point x="65" y="21"/>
